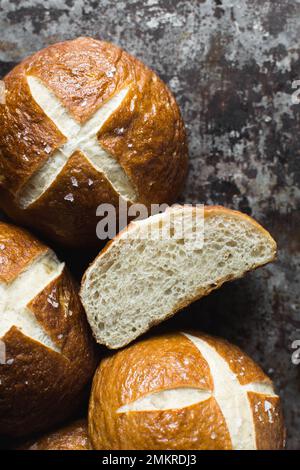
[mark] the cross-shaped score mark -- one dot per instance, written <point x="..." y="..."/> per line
<point x="230" y="395"/>
<point x="79" y="137"/>
<point x="15" y="297"/>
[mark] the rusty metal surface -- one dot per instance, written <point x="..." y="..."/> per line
<point x="231" y="65"/>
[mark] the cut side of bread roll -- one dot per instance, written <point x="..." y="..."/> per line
<point x="140" y="280"/>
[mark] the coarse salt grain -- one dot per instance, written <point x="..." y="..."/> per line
<point x="268" y="405"/>
<point x="2" y="92"/>
<point x="69" y="197"/>
<point x="111" y="72"/>
<point x="74" y="181"/>
<point x="132" y="104"/>
<point x="52" y="300"/>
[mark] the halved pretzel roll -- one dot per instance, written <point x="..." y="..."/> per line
<point x="159" y="265"/>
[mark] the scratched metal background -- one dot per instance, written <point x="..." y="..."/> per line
<point x="231" y="65"/>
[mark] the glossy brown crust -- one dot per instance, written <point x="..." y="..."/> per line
<point x="246" y="370"/>
<point x="149" y="366"/>
<point x="151" y="149"/>
<point x="269" y="424"/>
<point x="71" y="437"/>
<point x="17" y="249"/>
<point x="161" y="363"/>
<point x="185" y="429"/>
<point x="91" y="187"/>
<point x="41" y="387"/>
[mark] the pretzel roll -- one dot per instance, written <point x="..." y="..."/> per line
<point x="161" y="264"/>
<point x="183" y="391"/>
<point x="47" y="355"/>
<point x="85" y="123"/>
<point x="74" y="436"/>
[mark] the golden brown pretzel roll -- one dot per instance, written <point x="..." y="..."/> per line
<point x="84" y="123"/>
<point x="71" y="437"/>
<point x="46" y="349"/>
<point x="183" y="391"/>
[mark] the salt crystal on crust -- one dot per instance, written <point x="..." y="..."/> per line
<point x="2" y="92"/>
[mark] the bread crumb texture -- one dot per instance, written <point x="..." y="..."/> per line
<point x="137" y="282"/>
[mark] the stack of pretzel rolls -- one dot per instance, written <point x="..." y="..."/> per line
<point x="84" y="127"/>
